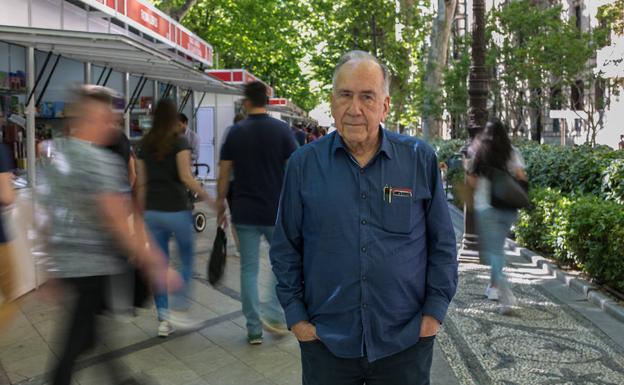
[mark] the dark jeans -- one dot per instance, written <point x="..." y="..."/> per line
<point x="81" y="330"/>
<point x="410" y="367"/>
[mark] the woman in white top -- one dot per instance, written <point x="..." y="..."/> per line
<point x="492" y="149"/>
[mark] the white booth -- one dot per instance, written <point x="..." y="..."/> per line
<point x="48" y="46"/>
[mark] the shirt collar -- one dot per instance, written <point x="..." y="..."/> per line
<point x="385" y="148"/>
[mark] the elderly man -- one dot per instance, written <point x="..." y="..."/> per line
<point x="364" y="249"/>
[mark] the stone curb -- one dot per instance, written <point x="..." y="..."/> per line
<point x="589" y="290"/>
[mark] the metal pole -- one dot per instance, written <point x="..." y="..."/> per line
<point x="126" y="86"/>
<point x="478" y="91"/>
<point x="47" y="82"/>
<point x="30" y="118"/>
<point x="156" y="94"/>
<point x="87" y="73"/>
<point x="101" y="75"/>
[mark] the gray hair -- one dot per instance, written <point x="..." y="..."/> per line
<point x="357" y="55"/>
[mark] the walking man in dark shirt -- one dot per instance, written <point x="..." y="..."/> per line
<point x="256" y="150"/>
<point x="299" y="134"/>
<point x="364" y="248"/>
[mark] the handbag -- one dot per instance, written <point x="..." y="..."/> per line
<point x="507" y="192"/>
<point x="216" y="264"/>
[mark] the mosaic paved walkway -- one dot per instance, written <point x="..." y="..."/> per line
<point x="544" y="341"/>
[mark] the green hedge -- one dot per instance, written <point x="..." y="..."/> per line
<point x="580" y="231"/>
<point x="581" y="169"/>
<point x="577" y="213"/>
<point x="613" y="181"/>
<point x="445" y="149"/>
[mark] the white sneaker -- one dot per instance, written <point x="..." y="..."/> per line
<point x="182" y="321"/>
<point x="164" y="329"/>
<point x="492" y="293"/>
<point x="507" y="297"/>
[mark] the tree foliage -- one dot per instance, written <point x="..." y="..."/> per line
<point x="535" y="49"/>
<point x="455" y="87"/>
<point x="612" y="15"/>
<point x="269" y="38"/>
<point x="395" y="35"/>
<point x="294" y="45"/>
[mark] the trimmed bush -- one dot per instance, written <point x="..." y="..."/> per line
<point x="613" y="181"/>
<point x="569" y="169"/>
<point x="583" y="231"/>
<point x="595" y="239"/>
<point x="534" y="228"/>
<point x="445" y="149"/>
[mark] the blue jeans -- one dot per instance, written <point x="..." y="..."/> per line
<point x="249" y="238"/>
<point x="493" y="226"/>
<point x="163" y="224"/>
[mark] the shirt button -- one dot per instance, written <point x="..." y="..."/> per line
<point x="364" y="306"/>
<point x="363" y="221"/>
<point x="363" y="249"/>
<point x="363" y="195"/>
<point x="361" y="171"/>
<point x="364" y="278"/>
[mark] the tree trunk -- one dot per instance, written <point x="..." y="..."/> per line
<point x="438" y="52"/>
<point x="535" y="113"/>
<point x="478" y="86"/>
<point x="181" y="11"/>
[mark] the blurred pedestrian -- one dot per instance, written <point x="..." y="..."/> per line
<point x="88" y="203"/>
<point x="237" y="118"/>
<point x="314" y="134"/>
<point x="8" y="280"/>
<point x="191" y="137"/>
<point x="364" y="248"/>
<point x="621" y="144"/>
<point x="256" y="150"/>
<point x="492" y="150"/>
<point x="163" y="177"/>
<point x="300" y="135"/>
<point x="122" y="147"/>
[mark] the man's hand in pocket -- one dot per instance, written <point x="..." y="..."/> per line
<point x="304" y="331"/>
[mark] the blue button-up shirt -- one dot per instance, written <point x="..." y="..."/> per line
<point x="364" y="253"/>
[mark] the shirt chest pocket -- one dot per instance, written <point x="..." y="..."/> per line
<point x="403" y="209"/>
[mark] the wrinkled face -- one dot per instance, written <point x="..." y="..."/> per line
<point x="359" y="102"/>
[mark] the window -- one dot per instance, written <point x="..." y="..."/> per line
<point x="600" y="94"/>
<point x="556" y="125"/>
<point x="579" y="14"/>
<point x="577" y="95"/>
<point x="555" y="98"/>
<point x="578" y="125"/>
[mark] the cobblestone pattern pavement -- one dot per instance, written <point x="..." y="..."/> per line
<point x="543" y="342"/>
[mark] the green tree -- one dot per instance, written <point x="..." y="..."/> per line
<point x="455" y="87"/>
<point x="539" y="57"/>
<point x="395" y="34"/>
<point x="269" y="38"/>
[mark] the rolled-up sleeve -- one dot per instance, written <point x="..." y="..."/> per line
<point x="441" y="249"/>
<point x="287" y="247"/>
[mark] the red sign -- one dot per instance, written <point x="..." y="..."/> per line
<point x="145" y="16"/>
<point x="278" y="102"/>
<point x="108" y="3"/>
<point x="193" y="45"/>
<point x="237" y="77"/>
